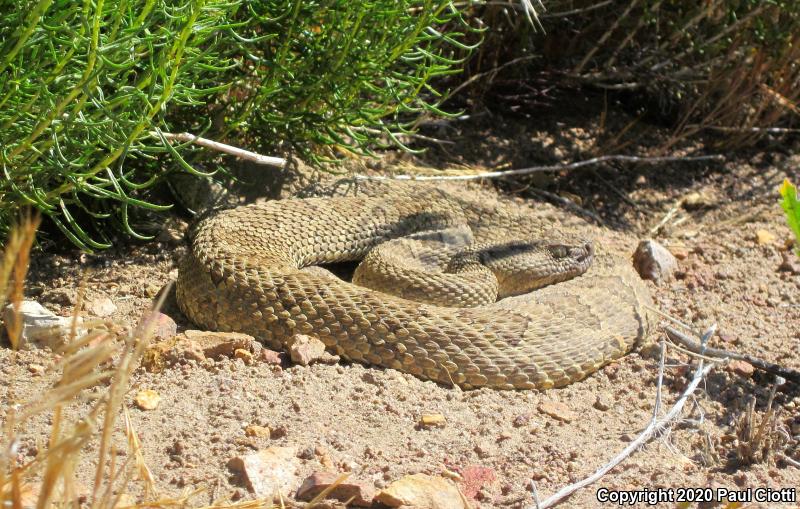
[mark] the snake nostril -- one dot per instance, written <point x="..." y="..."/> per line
<point x="586" y="252"/>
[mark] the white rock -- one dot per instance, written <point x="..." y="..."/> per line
<point x="102" y="307"/>
<point x="40" y="327"/>
<point x="269" y="471"/>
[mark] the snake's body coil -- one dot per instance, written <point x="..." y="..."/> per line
<point x="244" y="273"/>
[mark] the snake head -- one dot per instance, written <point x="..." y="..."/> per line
<point x="521" y="267"/>
<point x="560" y="261"/>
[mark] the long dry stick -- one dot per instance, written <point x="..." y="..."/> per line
<point x="582" y="10"/>
<point x="727" y="129"/>
<point x="547" y="168"/>
<point x="769" y="367"/>
<point x="655" y="426"/>
<point x="227" y="149"/>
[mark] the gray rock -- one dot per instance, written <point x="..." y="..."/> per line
<point x="653" y="261"/>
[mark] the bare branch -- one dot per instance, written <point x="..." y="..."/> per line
<point x="227" y="149"/>
<point x="789" y="460"/>
<point x="547" y="168"/>
<point x="726" y="129"/>
<point x="583" y="10"/>
<point x="769" y="367"/>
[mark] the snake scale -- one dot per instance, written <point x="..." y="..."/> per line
<point x="246" y="272"/>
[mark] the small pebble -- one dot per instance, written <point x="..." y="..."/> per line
<point x="764" y="237"/>
<point x="102" y="307"/>
<point x="742" y="368"/>
<point x="244" y="355"/>
<point x="422" y="491"/>
<point x="270" y="357"/>
<point x="36" y="369"/>
<point x="558" y="411"/>
<point x="269" y="471"/>
<point x="148" y="399"/>
<point x="254" y="430"/>
<point x="358" y="492"/>
<point x="306" y="349"/>
<point x="521" y="420"/>
<point x="432" y="420"/>
<point x="603" y="401"/>
<point x="164" y="327"/>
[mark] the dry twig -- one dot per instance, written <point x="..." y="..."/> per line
<point x="789" y="460"/>
<point x="547" y="168"/>
<point x="221" y="147"/>
<point x="656" y="425"/>
<point x="728" y="129"/>
<point x="769" y="367"/>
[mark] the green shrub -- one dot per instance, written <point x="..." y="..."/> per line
<point x="81" y="86"/>
<point x="791" y="207"/>
<point x="340" y="73"/>
<point x="84" y="85"/>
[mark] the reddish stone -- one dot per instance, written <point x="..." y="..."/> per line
<point x="476" y="478"/>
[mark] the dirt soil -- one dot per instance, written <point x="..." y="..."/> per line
<point x="349" y="417"/>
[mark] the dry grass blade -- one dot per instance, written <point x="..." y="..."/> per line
<point x="14" y="268"/>
<point x="134" y="348"/>
<point x="758" y="89"/>
<point x="62" y="393"/>
<point x="62" y="457"/>
<point x="324" y="493"/>
<point x="87" y="362"/>
<point x="259" y="503"/>
<point x="76" y="312"/>
<point x="92" y="338"/>
<point x="135" y="447"/>
<point x="758" y="442"/>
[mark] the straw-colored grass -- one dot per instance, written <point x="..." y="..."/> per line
<point x="100" y="359"/>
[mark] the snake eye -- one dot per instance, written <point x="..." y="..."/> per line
<point x="559" y="251"/>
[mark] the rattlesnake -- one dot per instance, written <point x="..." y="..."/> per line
<point x="244" y="272"/>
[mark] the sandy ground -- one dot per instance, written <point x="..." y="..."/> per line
<point x="348" y="417"/>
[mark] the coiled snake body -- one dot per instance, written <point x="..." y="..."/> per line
<point x="245" y="273"/>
